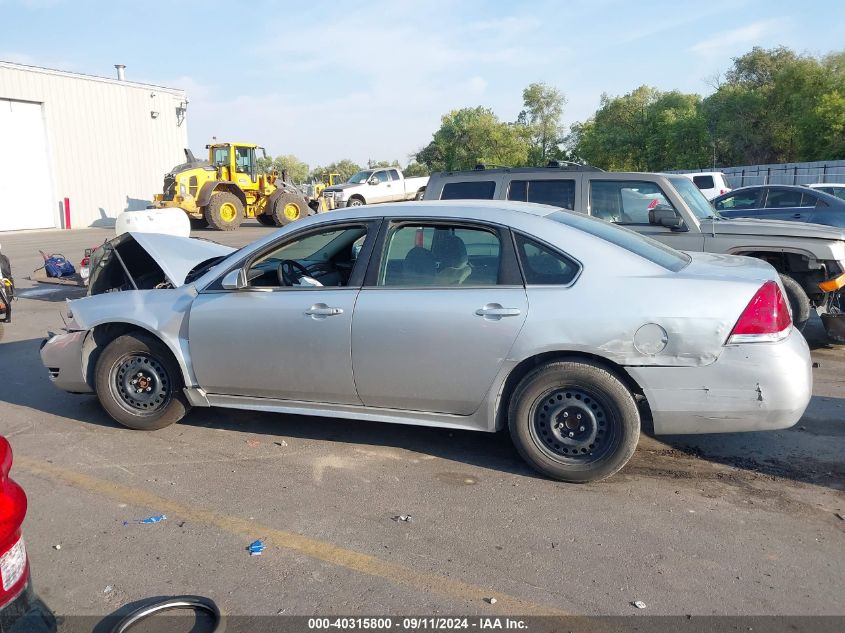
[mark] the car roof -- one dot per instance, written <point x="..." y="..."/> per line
<point x="816" y="185"/>
<point x="444" y="209"/>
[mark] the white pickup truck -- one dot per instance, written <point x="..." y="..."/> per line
<point x="372" y="186"/>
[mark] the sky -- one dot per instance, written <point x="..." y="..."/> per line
<point x="370" y="80"/>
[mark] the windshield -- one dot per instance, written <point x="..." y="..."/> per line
<point x="695" y="200"/>
<point x="361" y="177"/>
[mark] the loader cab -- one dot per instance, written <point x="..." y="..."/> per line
<point x="235" y="162"/>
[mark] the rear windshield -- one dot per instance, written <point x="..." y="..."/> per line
<point x="645" y="247"/>
<point x="468" y="190"/>
<point x="704" y="182"/>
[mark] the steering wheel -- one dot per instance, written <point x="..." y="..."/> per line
<point x="287" y="272"/>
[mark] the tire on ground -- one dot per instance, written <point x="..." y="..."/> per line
<point x="798" y="300"/>
<point x="355" y="201"/>
<point x="266" y="219"/>
<point x="286" y="207"/>
<point x="611" y="413"/>
<point x="115" y="370"/>
<point x="225" y="211"/>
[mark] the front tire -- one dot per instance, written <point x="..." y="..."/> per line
<point x="355" y="202"/>
<point x="139" y="384"/>
<point x="574" y="421"/>
<point x="224" y="212"/>
<point x="799" y="302"/>
<point x="287" y="207"/>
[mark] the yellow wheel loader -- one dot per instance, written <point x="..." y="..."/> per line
<point x="227" y="188"/>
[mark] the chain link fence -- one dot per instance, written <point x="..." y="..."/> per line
<point x="785" y="174"/>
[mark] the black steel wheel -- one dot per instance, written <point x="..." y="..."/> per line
<point x="573" y="425"/>
<point x="139" y="384"/>
<point x="574" y="420"/>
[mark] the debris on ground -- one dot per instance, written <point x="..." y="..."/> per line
<point x="490" y="600"/>
<point x="253" y="443"/>
<point x="149" y="520"/>
<point x="406" y="518"/>
<point x="57" y="546"/>
<point x="108" y="589"/>
<point x="180" y="524"/>
<point x="256" y="547"/>
<point x="839" y="516"/>
<point x="282" y="443"/>
<point x="639" y="604"/>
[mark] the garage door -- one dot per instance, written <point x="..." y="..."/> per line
<point x="26" y="200"/>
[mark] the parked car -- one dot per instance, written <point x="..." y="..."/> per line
<point x="793" y="203"/>
<point x="711" y="183"/>
<point x="21" y="611"/>
<point x="470" y="315"/>
<point x="372" y="186"/>
<point x="809" y="257"/>
<point x="833" y="188"/>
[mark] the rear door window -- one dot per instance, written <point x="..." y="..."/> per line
<point x="542" y="265"/>
<point x="469" y="190"/>
<point x="783" y="198"/>
<point x="557" y="193"/>
<point x="704" y="182"/>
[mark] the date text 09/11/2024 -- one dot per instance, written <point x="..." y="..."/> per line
<point x="416" y="623"/>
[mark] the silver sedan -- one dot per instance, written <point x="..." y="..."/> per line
<point x="563" y="329"/>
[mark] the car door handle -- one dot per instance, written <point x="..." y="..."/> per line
<point x="796" y="215"/>
<point x="322" y="310"/>
<point x="496" y="311"/>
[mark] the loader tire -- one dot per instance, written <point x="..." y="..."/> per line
<point x="265" y="219"/>
<point x="288" y="207"/>
<point x="799" y="302"/>
<point x="224" y="212"/>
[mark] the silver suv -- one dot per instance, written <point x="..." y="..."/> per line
<point x="669" y="207"/>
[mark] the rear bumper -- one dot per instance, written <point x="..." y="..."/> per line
<point x="751" y="387"/>
<point x="27" y="614"/>
<point x="62" y="356"/>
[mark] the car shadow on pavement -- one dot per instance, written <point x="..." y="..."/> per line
<point x="810" y="452"/>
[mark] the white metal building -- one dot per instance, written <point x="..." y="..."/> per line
<point x="104" y="144"/>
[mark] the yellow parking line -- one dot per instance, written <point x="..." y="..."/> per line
<point x="314" y="548"/>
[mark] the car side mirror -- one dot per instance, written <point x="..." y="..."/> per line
<point x="662" y="215"/>
<point x="373" y="181"/>
<point x="234" y="280"/>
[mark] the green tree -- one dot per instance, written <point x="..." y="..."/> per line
<point x="375" y="164"/>
<point x="542" y="113"/>
<point x="644" y="130"/>
<point x="470" y="136"/>
<point x="296" y="169"/>
<point x="346" y="168"/>
<point x="415" y="169"/>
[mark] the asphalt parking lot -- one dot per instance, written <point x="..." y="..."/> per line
<point x="722" y="524"/>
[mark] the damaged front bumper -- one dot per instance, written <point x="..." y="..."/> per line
<point x="62" y="355"/>
<point x="751" y="387"/>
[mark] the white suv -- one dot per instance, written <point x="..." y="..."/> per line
<point x="711" y="183"/>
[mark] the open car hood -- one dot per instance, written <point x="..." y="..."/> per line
<point x="149" y="260"/>
<point x="177" y="256"/>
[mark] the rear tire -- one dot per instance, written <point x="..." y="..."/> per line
<point x="224" y="212"/>
<point x="799" y="302"/>
<point x="574" y="421"/>
<point x="139" y="384"/>
<point x="288" y="207"/>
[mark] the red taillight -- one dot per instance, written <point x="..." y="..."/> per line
<point x="419" y="238"/>
<point x="14" y="570"/>
<point x="765" y="318"/>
